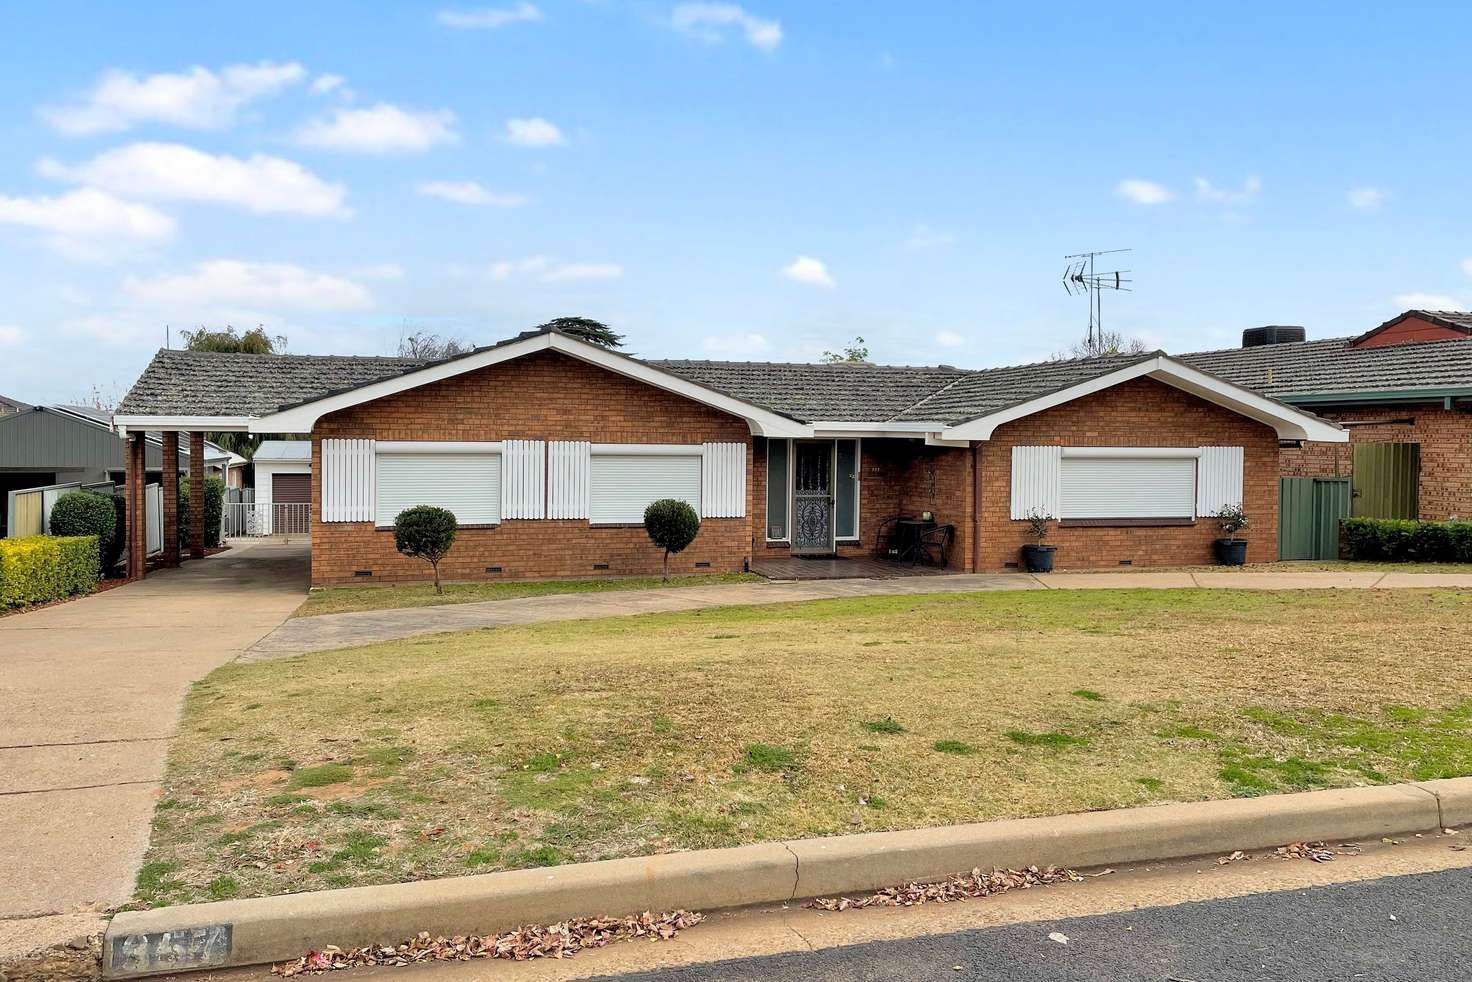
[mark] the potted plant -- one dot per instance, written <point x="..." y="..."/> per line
<point x="1231" y="551"/>
<point x="1036" y="557"/>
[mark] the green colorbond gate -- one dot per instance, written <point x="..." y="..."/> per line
<point x="1309" y="512"/>
<point x="1387" y="479"/>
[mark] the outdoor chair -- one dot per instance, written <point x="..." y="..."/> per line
<point x="934" y="545"/>
<point x="887" y="544"/>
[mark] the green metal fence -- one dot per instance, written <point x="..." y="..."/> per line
<point x="1387" y="480"/>
<point x="1309" y="512"/>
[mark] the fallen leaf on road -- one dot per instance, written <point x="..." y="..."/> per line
<point x="533" y="941"/>
<point x="1317" y="851"/>
<point x="1234" y="857"/>
<point x="974" y="884"/>
<point x="1058" y="937"/>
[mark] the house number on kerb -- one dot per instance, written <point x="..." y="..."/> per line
<point x="193" y="947"/>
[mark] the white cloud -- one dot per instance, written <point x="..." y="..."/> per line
<point x="709" y="22"/>
<point x="174" y="172"/>
<point x="1206" y="191"/>
<point x="1427" y="301"/>
<point x="806" y="269"/>
<point x="949" y="339"/>
<point x="328" y="83"/>
<point x="1467" y="266"/>
<point x="11" y="335"/>
<point x="470" y="193"/>
<point x="729" y="345"/>
<point x="546" y="271"/>
<point x="236" y="283"/>
<point x="1366" y="199"/>
<point x="489" y="18"/>
<point x="197" y="98"/>
<point x="922" y="237"/>
<point x="87" y="223"/>
<point x="534" y="132"/>
<point x="1142" y="192"/>
<point x="385" y="128"/>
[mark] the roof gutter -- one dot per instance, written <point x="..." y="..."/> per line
<point x="1383" y="396"/>
<point x="204" y="424"/>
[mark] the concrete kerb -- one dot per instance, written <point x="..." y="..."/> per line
<point x="267" y="929"/>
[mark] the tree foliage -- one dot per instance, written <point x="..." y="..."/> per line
<point x="586" y="329"/>
<point x="855" y="351"/>
<point x="672" y="525"/>
<point x="427" y="533"/>
<point x="1103" y="344"/>
<point x="253" y="342"/>
<point x="90" y="513"/>
<point x="424" y="346"/>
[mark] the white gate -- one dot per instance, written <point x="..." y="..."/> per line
<point x="153" y="501"/>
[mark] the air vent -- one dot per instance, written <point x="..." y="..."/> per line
<point x="1256" y="337"/>
<point x="362" y="572"/>
<point x="1009" y="565"/>
<point x="600" y="565"/>
<point x="1126" y="562"/>
<point x="702" y="565"/>
<point x="493" y="569"/>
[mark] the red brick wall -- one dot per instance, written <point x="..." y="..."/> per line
<point x="546" y="396"/>
<point x="895" y="477"/>
<point x="1410" y="330"/>
<point x="1140" y="413"/>
<point x="1445" y="436"/>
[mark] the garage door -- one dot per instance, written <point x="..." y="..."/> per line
<point x="291" y="497"/>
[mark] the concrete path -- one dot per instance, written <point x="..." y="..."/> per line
<point x="327" y="631"/>
<point x="91" y="692"/>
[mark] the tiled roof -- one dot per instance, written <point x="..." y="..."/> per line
<point x="984" y="392"/>
<point x="212" y="383"/>
<point x="853" y="392"/>
<point x="1332" y="365"/>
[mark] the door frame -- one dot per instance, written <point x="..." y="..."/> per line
<point x="832" y="548"/>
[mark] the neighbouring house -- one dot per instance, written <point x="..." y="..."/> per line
<point x="1402" y="391"/>
<point x="283" y="485"/>
<point x="548" y="449"/>
<point x="44" y="446"/>
<point x="8" y="405"/>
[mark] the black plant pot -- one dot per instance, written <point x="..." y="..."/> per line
<point x="1038" y="559"/>
<point x="1231" y="552"/>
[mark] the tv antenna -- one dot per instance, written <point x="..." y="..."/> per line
<point x="1081" y="279"/>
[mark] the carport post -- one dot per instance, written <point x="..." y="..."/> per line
<point x="135" y="523"/>
<point x="170" y="479"/>
<point x="196" y="494"/>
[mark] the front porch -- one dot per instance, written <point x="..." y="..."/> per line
<point x="840" y="568"/>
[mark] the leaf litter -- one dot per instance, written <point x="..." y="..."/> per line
<point x="959" y="887"/>
<point x="562" y="940"/>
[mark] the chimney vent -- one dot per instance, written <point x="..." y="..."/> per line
<point x="1256" y="337"/>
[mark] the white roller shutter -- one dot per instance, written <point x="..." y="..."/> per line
<point x="1127" y="487"/>
<point x="1219" y="479"/>
<point x="567" y="479"/>
<point x="723" y="480"/>
<point x="623" y="485"/>
<point x="525" y="487"/>
<point x="1035" y="481"/>
<point x="348" y="490"/>
<point x="467" y="484"/>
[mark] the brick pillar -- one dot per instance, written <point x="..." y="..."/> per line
<point x="135" y="461"/>
<point x="171" y="498"/>
<point x="196" y="495"/>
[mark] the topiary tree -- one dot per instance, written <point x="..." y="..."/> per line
<point x="672" y="525"/>
<point x="89" y="513"/>
<point x="426" y="532"/>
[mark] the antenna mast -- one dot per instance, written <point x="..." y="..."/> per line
<point x="1082" y="279"/>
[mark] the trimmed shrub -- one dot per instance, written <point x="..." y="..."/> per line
<point x="1401" y="540"/>
<point x="672" y="525"/>
<point x="90" y="513"/>
<point x="426" y="532"/>
<point x="41" y="568"/>
<point x="214" y="510"/>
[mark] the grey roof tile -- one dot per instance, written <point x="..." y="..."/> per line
<point x="1332" y="365"/>
<point x="981" y="393"/>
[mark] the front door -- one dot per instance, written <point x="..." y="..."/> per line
<point x="812" y="499"/>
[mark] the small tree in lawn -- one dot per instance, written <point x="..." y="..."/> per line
<point x="426" y="532"/>
<point x="672" y="525"/>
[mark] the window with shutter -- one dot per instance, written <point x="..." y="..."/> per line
<point x="1127" y="487"/>
<point x="622" y="485"/>
<point x="466" y="484"/>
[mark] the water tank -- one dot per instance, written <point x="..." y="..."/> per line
<point x="1255" y="337"/>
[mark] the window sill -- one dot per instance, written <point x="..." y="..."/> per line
<point x="1125" y="522"/>
<point x="482" y="525"/>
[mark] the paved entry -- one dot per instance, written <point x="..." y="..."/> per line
<point x="91" y="692"/>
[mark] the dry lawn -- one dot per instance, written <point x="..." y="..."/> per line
<point x="589" y="740"/>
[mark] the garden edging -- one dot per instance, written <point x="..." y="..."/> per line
<point x="279" y="928"/>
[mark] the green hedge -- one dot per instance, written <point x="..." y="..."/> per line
<point x="90" y="513"/>
<point x="214" y="509"/>
<point x="39" y="568"/>
<point x="1401" y="540"/>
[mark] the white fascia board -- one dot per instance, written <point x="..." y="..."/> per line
<point x="1289" y="423"/>
<point x="205" y="424"/>
<point x="301" y="419"/>
<point x="936" y="440"/>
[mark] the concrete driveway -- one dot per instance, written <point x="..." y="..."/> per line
<point x="91" y="692"/>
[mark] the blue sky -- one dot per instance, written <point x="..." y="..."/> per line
<point x="763" y="180"/>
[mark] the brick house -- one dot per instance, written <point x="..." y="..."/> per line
<point x="1402" y="391"/>
<point x="548" y="448"/>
